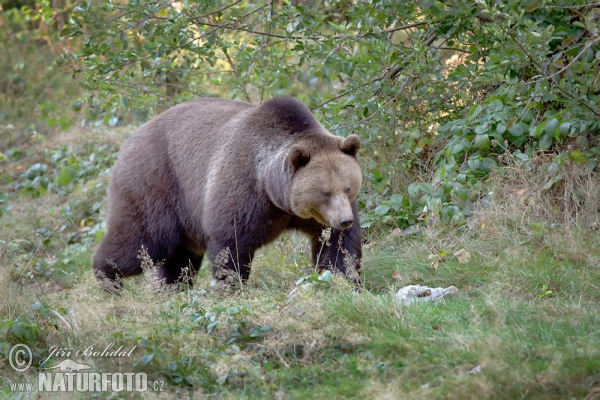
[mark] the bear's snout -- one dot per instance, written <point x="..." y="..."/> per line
<point x="346" y="223"/>
<point x="338" y="212"/>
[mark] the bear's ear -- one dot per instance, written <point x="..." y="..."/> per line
<point x="298" y="156"/>
<point x="350" y="145"/>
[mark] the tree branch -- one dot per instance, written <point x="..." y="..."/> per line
<point x="218" y="11"/>
<point x="235" y="72"/>
<point x="315" y="38"/>
<point x="454" y="49"/>
<point x="362" y="121"/>
<point x="233" y="28"/>
<point x="585" y="48"/>
<point x="583" y="103"/>
<point x="390" y="30"/>
<point x="346" y="92"/>
<point x="267" y="4"/>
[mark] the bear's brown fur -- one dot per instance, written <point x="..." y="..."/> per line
<point x="228" y="177"/>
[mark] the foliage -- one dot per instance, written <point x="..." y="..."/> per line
<point x="35" y="91"/>
<point x="3" y="197"/>
<point x="441" y="92"/>
<point x="319" y="280"/>
<point x="67" y="167"/>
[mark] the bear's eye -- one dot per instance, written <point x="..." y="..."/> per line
<point x="348" y="189"/>
<point x="326" y="194"/>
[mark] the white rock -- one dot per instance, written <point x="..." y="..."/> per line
<point x="415" y="293"/>
<point x="475" y="370"/>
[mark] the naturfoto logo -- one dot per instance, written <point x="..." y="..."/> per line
<point x="69" y="375"/>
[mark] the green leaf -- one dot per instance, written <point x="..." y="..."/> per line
<point x="325" y="276"/>
<point x="546" y="142"/>
<point x="447" y="186"/>
<point x="376" y="175"/>
<point x="24" y="331"/>
<point x="579" y="157"/>
<point x="482" y="143"/>
<point x="474" y="112"/>
<point x="551" y="126"/>
<point x="396" y="201"/>
<point x="67" y="31"/>
<point x="481" y="129"/>
<point x="413" y="189"/>
<point x="496" y="105"/>
<point x="67" y="174"/>
<point x="474" y="164"/>
<point x="512" y="77"/>
<point x="147" y="358"/>
<point x="516" y="129"/>
<point x="382" y="210"/>
<point x="495" y="58"/>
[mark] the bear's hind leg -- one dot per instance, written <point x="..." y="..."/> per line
<point x="128" y="243"/>
<point x="114" y="260"/>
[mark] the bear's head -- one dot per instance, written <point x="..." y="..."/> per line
<point x="326" y="179"/>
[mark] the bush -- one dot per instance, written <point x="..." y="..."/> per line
<point x="34" y="90"/>
<point x="442" y="92"/>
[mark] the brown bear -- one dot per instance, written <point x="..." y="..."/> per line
<point x="228" y="177"/>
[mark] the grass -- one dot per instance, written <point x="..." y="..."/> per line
<point x="525" y="323"/>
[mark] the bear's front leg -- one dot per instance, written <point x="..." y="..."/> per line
<point x="230" y="262"/>
<point x="339" y="250"/>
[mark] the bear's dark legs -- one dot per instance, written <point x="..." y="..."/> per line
<point x="343" y="253"/>
<point x="338" y="250"/>
<point x="116" y="258"/>
<point x="231" y="263"/>
<point x="182" y="266"/>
